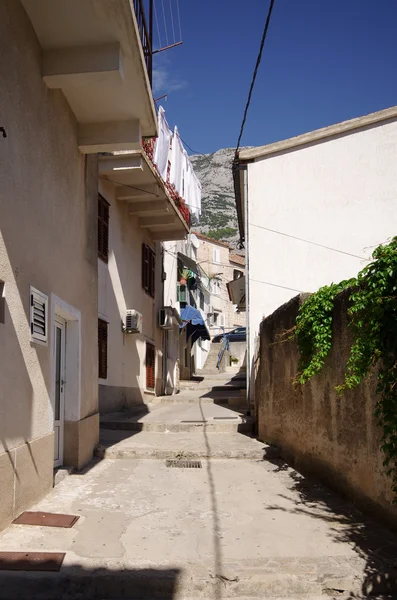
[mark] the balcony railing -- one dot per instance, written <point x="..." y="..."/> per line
<point x="145" y="32"/>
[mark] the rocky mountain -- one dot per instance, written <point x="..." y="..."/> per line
<point x="218" y="217"/>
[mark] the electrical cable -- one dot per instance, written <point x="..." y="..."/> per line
<point x="133" y="187"/>
<point x="294" y="237"/>
<point x="258" y="60"/>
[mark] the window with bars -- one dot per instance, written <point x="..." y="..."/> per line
<point x="150" y="368"/>
<point x="102" y="349"/>
<point x="148" y="270"/>
<point x="103" y="228"/>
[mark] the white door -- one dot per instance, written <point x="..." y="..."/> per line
<point x="59" y="398"/>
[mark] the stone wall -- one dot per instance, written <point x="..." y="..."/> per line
<point x="335" y="438"/>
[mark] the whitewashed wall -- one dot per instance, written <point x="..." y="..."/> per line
<point x="340" y="193"/>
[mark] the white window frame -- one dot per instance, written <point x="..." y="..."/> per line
<point x="216" y="255"/>
<point x="38" y="338"/>
<point x="216" y="287"/>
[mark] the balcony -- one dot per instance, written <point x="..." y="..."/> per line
<point x="139" y="184"/>
<point x="99" y="53"/>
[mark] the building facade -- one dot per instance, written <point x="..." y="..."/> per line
<point x="312" y="209"/>
<point x="221" y="265"/>
<point x="68" y="94"/>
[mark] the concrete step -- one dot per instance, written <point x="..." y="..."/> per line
<point x="182" y="445"/>
<point x="208" y="417"/>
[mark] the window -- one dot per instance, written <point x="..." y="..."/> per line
<point x="216" y="255"/>
<point x="102" y="349"/>
<point x="237" y="274"/>
<point x="150" y="360"/>
<point x="148" y="270"/>
<point x="216" y="287"/>
<point x="202" y="302"/>
<point x="103" y="228"/>
<point x="38" y="316"/>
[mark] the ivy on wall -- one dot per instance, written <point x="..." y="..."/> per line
<point x="373" y="321"/>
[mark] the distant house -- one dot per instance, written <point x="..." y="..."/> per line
<point x="221" y="264"/>
<point x="311" y="209"/>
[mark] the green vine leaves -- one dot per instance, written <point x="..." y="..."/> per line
<point x="373" y="320"/>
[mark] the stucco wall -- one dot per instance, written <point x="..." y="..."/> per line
<point x="120" y="288"/>
<point x="334" y="437"/>
<point x="339" y="193"/>
<point x="48" y="204"/>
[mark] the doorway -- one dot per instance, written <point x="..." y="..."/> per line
<point x="59" y="392"/>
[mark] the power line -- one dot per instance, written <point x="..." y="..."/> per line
<point x="294" y="237"/>
<point x="283" y="287"/>
<point x="258" y="60"/>
<point x="133" y="187"/>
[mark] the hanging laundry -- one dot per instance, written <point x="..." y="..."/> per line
<point x="177" y="162"/>
<point x="162" y="146"/>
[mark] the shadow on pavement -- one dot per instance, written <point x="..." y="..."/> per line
<point x="77" y="583"/>
<point x="370" y="539"/>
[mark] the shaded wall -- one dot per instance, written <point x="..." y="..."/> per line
<point x="48" y="215"/>
<point x="334" y="437"/>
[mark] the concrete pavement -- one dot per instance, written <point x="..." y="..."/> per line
<point x="245" y="525"/>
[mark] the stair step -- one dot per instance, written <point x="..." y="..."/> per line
<point x="186" y="445"/>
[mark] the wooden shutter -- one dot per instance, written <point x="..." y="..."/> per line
<point x="150" y="370"/>
<point x="152" y="263"/>
<point x="103" y="228"/>
<point x="148" y="270"/>
<point x="145" y="267"/>
<point x="102" y="349"/>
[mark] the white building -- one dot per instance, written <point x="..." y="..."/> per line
<point x="312" y="208"/>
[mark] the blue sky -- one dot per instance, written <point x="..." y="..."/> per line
<point x="324" y="61"/>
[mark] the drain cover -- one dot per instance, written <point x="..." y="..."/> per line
<point x="184" y="464"/>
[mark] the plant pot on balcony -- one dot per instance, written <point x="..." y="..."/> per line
<point x="183" y="281"/>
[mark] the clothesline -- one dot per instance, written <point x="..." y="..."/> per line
<point x="169" y="149"/>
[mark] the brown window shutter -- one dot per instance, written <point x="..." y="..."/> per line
<point x="103" y="228"/>
<point x="152" y="273"/>
<point x="102" y="349"/>
<point x="150" y="366"/>
<point x="145" y="267"/>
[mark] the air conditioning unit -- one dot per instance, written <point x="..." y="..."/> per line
<point x="165" y="318"/>
<point x="133" y="322"/>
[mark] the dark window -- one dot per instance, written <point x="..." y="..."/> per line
<point x="201" y="300"/>
<point x="102" y="349"/>
<point x="148" y="270"/>
<point x="237" y="274"/>
<point x="150" y="360"/>
<point x="103" y="228"/>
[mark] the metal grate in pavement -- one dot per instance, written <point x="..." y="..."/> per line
<point x="31" y="561"/>
<point x="46" y="519"/>
<point x="183" y="464"/>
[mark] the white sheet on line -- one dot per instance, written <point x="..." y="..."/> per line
<point x="162" y="145"/>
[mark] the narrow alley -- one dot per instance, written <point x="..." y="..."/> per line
<point x="237" y="522"/>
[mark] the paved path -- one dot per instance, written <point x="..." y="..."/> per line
<point x="236" y="528"/>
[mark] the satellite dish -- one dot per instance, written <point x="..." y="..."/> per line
<point x="195" y="241"/>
